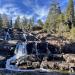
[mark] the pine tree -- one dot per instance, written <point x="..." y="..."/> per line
<point x="5" y="21"/>
<point x="70" y="11"/>
<point x="40" y="23"/>
<point x="31" y="23"/>
<point x="17" y="23"/>
<point x="24" y="23"/>
<point x="52" y="18"/>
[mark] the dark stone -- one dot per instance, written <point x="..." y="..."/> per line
<point x="32" y="58"/>
<point x="42" y="47"/>
<point x="53" y="49"/>
<point x="30" y="48"/>
<point x="3" y="64"/>
<point x="69" y="48"/>
<point x="31" y="38"/>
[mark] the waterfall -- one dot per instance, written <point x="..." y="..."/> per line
<point x="21" y="49"/>
<point x="36" y="47"/>
<point x="8" y="65"/>
<point x="7" y="36"/>
<point x="24" y="36"/>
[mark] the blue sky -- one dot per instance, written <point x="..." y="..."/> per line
<point x="30" y="8"/>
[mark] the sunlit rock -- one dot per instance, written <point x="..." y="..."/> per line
<point x="69" y="58"/>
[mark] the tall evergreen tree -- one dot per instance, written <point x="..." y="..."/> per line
<point x="70" y="12"/>
<point x="52" y="18"/>
<point x="17" y="23"/>
<point x="5" y="21"/>
<point x="30" y="23"/>
<point x="24" y="23"/>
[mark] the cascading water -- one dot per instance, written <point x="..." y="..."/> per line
<point x="24" y="36"/>
<point x="7" y="36"/>
<point x="20" y="51"/>
<point x="36" y="48"/>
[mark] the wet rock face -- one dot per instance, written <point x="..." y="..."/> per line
<point x="5" y="49"/>
<point x="2" y="61"/>
<point x="31" y="38"/>
<point x="53" y="49"/>
<point x="69" y="48"/>
<point x="30" y="48"/>
<point x="42" y="47"/>
<point x="55" y="57"/>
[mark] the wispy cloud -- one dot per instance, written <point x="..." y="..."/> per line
<point x="40" y="11"/>
<point x="29" y="8"/>
<point x="12" y="11"/>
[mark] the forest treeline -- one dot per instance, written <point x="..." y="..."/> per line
<point x="57" y="21"/>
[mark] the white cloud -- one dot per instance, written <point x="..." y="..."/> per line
<point x="12" y="11"/>
<point x="8" y="9"/>
<point x="42" y="12"/>
<point x="27" y="2"/>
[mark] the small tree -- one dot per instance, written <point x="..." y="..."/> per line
<point x="40" y="23"/>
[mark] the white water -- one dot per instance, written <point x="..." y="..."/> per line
<point x="7" y="36"/>
<point x="8" y="65"/>
<point x="24" y="35"/>
<point x="20" y="51"/>
<point x="36" y="47"/>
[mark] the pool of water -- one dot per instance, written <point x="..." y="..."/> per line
<point x="7" y="72"/>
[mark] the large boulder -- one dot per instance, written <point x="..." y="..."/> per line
<point x="69" y="58"/>
<point x="53" y="65"/>
<point x="69" y="48"/>
<point x="42" y="47"/>
<point x="53" y="49"/>
<point x="26" y="60"/>
<point x="63" y="66"/>
<point x="30" y="47"/>
<point x="35" y="65"/>
<point x="44" y="64"/>
<point x="32" y="58"/>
